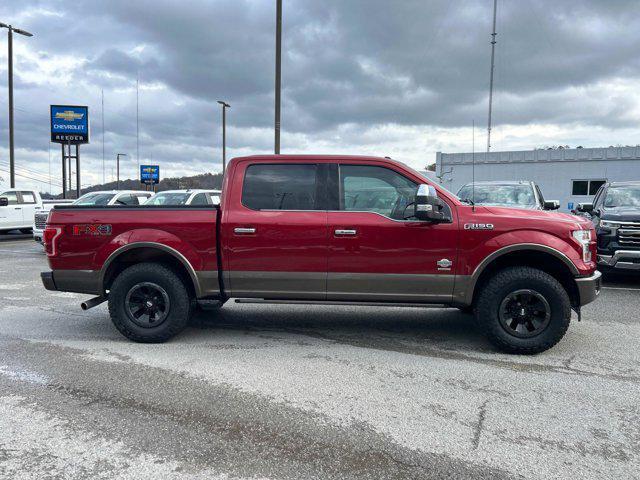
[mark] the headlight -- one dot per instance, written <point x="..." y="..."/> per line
<point x="608" y="224"/>
<point x="583" y="237"/>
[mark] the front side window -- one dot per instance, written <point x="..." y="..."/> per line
<point x="368" y="188"/>
<point x="280" y="187"/>
<point x="11" y="196"/>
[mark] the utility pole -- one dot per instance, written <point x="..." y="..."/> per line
<point x="10" y="30"/>
<point x="103" y="174"/>
<point x="137" y="120"/>
<point x="225" y="105"/>
<point x="118" y="169"/>
<point x="493" y="54"/>
<point x="278" y="73"/>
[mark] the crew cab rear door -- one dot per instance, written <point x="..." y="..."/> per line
<point x="377" y="252"/>
<point x="275" y="231"/>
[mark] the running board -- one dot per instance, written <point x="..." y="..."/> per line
<point x="345" y="303"/>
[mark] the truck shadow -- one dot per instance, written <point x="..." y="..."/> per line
<point x="411" y="330"/>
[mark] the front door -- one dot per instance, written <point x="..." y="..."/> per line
<point x="275" y="231"/>
<point x="11" y="215"/>
<point x="377" y="250"/>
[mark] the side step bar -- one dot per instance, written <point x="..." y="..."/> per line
<point x="345" y="303"/>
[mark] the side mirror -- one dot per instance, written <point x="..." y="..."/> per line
<point x="585" y="207"/>
<point x="551" y="204"/>
<point x="4" y="201"/>
<point x="428" y="206"/>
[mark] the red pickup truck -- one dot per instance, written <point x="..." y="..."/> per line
<point x="333" y="230"/>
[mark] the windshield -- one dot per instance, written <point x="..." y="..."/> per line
<point x="623" y="196"/>
<point x="176" y="198"/>
<point x="94" y="199"/>
<point x="500" y="195"/>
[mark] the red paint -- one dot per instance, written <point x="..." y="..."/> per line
<point x="305" y="241"/>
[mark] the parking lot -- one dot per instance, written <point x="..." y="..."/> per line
<point x="281" y="391"/>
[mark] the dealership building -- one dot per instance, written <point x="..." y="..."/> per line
<point x="570" y="175"/>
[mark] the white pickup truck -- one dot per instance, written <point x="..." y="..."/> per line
<point x="17" y="209"/>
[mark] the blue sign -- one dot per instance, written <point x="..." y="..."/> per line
<point x="149" y="174"/>
<point x="69" y="124"/>
<point x="570" y="205"/>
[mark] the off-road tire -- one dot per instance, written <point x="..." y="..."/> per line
<point x="509" y="280"/>
<point x="180" y="309"/>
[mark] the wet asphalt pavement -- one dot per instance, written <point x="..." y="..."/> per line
<point x="289" y="392"/>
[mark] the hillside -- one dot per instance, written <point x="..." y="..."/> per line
<point x="205" y="180"/>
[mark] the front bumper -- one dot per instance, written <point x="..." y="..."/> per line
<point x="621" y="259"/>
<point x="77" y="281"/>
<point x="589" y="288"/>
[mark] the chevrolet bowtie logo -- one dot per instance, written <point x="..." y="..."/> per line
<point x="69" y="115"/>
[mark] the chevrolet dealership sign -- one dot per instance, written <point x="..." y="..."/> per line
<point x="69" y="124"/>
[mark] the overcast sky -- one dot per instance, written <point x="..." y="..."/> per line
<point x="403" y="78"/>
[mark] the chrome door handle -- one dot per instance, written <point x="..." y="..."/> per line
<point x="244" y="230"/>
<point x="345" y="232"/>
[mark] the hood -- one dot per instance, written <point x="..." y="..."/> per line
<point x="542" y="215"/>
<point x="621" y="214"/>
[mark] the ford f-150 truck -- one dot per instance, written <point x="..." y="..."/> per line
<point x="327" y="229"/>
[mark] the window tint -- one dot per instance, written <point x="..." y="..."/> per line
<point x="127" y="200"/>
<point x="376" y="189"/>
<point x="280" y="187"/>
<point x="580" y="187"/>
<point x="200" y="199"/>
<point x="594" y="185"/>
<point x="11" y="196"/>
<point x="27" y="197"/>
<point x="94" y="199"/>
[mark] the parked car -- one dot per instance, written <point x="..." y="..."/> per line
<point x="17" y="208"/>
<point x="307" y="229"/>
<point x="516" y="194"/>
<point x="185" y="197"/>
<point x="615" y="213"/>
<point x="114" y="197"/>
<point x="109" y="197"/>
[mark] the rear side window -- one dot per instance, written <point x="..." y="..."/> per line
<point x="27" y="197"/>
<point x="128" y="200"/>
<point x="280" y="187"/>
<point x="200" y="199"/>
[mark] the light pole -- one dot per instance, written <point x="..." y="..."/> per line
<point x="225" y="105"/>
<point x="278" y="74"/>
<point x="10" y="30"/>
<point x="118" y="169"/>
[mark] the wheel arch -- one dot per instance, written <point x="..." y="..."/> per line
<point x="139" y="252"/>
<point x="541" y="257"/>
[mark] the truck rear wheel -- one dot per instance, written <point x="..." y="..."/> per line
<point x="149" y="303"/>
<point x="523" y="310"/>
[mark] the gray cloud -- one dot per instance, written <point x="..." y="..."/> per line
<point x="361" y="64"/>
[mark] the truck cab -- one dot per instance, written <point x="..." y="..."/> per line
<point x="17" y="209"/>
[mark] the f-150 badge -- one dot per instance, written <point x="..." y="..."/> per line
<point x="478" y="226"/>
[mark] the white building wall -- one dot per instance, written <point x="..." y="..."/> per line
<point x="553" y="170"/>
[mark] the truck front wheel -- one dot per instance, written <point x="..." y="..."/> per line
<point x="523" y="310"/>
<point x="149" y="303"/>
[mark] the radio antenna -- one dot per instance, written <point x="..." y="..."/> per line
<point x="473" y="165"/>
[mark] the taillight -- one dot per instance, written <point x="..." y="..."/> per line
<point x="49" y="237"/>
